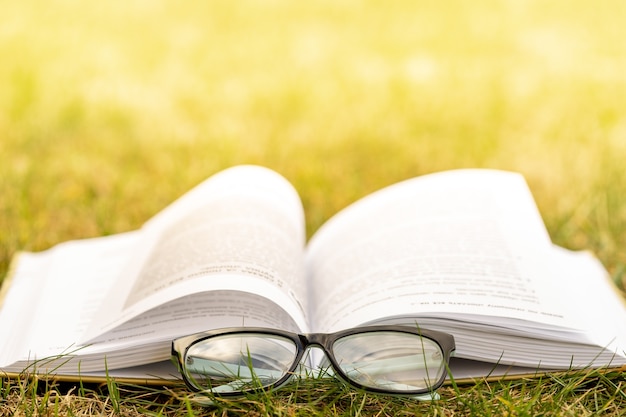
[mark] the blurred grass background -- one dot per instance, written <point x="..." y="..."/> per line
<point x="111" y="110"/>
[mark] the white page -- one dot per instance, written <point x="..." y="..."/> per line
<point x="56" y="293"/>
<point x="241" y="230"/>
<point x="588" y="296"/>
<point x="21" y="284"/>
<point x="463" y="242"/>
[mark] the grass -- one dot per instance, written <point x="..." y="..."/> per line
<point x="580" y="394"/>
<point x="111" y="110"/>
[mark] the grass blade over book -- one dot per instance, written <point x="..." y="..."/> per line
<point x="463" y="252"/>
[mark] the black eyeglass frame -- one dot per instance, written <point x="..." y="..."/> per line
<point x="324" y="341"/>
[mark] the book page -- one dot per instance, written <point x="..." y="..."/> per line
<point x="466" y="242"/>
<point x="585" y="290"/>
<point x="241" y="230"/>
<point x="55" y="295"/>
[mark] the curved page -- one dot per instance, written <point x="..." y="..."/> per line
<point x="465" y="241"/>
<point x="241" y="230"/>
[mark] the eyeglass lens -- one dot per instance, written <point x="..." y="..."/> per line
<point x="390" y="361"/>
<point x="239" y="362"/>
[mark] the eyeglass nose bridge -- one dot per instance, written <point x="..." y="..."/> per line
<point x="322" y="344"/>
<point x="321" y="341"/>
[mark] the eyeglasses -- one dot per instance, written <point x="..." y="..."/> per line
<point x="398" y="360"/>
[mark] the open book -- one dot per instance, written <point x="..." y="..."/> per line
<point x="464" y="252"/>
